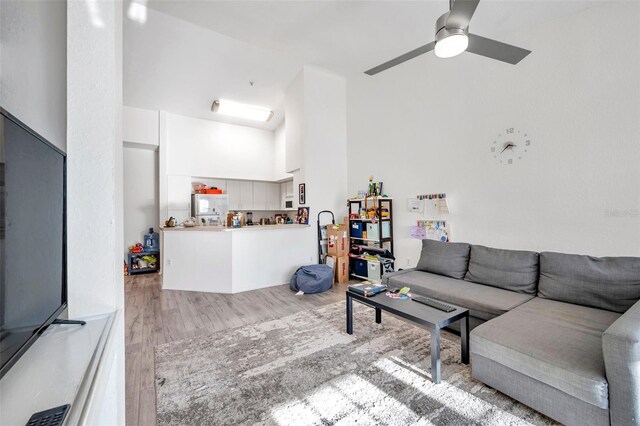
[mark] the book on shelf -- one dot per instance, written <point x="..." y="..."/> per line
<point x="368" y="289"/>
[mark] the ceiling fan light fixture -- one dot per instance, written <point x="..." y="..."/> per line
<point x="235" y="109"/>
<point x="451" y="45"/>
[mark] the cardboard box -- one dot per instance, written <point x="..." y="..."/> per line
<point x="342" y="269"/>
<point x="333" y="262"/>
<point x="338" y="240"/>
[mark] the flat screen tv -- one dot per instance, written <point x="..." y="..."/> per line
<point x="33" y="273"/>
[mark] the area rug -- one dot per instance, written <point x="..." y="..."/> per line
<point x="303" y="369"/>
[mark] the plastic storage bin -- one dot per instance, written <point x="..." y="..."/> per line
<point x="360" y="267"/>
<point x="386" y="229"/>
<point x="373" y="232"/>
<point x="357" y="228"/>
<point x="373" y="271"/>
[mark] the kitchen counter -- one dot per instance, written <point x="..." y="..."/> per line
<point x="217" y="259"/>
<point x="225" y="229"/>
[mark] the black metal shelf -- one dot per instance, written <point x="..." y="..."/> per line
<point x="143" y="271"/>
<point x="378" y="204"/>
<point x="134" y="271"/>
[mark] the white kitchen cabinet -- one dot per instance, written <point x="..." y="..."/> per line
<point x="273" y="196"/>
<point x="178" y="192"/>
<point x="246" y="195"/>
<point x="288" y="189"/>
<point x="259" y="196"/>
<point x="240" y="194"/>
<point x="233" y="191"/>
<point x="286" y="194"/>
<point x="283" y="193"/>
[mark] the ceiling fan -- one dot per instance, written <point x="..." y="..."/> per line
<point x="453" y="38"/>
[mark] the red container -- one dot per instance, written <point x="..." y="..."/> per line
<point x="213" y="191"/>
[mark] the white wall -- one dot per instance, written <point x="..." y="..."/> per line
<point x="318" y="115"/>
<point x="94" y="149"/>
<point x="427" y="126"/>
<point x="197" y="147"/>
<point x="141" y="126"/>
<point x="325" y="141"/>
<point x="140" y="194"/>
<point x="280" y="153"/>
<point x="33" y="65"/>
<point x="294" y="130"/>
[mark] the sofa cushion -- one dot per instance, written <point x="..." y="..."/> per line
<point x="483" y="302"/>
<point x="611" y="283"/>
<point x="449" y="259"/>
<point x="513" y="270"/>
<point x="556" y="343"/>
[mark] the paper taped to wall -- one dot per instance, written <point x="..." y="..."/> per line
<point x="415" y="206"/>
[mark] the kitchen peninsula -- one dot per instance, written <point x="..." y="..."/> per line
<point x="230" y="260"/>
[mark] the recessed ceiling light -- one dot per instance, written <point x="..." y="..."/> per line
<point x="235" y="109"/>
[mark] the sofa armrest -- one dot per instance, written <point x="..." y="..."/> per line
<point x="621" y="349"/>
<point x="385" y="277"/>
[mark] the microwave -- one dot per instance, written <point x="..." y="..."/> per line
<point x="288" y="204"/>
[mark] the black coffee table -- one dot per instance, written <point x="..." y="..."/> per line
<point x="433" y="318"/>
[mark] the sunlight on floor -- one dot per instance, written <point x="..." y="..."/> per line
<point x="463" y="403"/>
<point x="352" y="398"/>
<point x="348" y="398"/>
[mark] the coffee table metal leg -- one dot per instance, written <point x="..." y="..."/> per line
<point x="378" y="315"/>
<point x="349" y="314"/>
<point x="464" y="339"/>
<point x="435" y="355"/>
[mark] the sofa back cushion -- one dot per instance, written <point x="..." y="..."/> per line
<point x="513" y="270"/>
<point x="448" y="259"/>
<point x="610" y="283"/>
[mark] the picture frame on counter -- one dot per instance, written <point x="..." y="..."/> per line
<point x="303" y="215"/>
<point x="302" y="196"/>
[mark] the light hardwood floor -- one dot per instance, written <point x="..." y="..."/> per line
<point x="154" y="316"/>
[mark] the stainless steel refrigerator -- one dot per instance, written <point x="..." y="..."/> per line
<point x="209" y="209"/>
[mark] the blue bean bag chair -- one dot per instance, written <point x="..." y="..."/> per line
<point x="312" y="279"/>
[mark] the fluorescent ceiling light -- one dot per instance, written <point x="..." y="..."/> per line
<point x="235" y="109"/>
<point x="452" y="45"/>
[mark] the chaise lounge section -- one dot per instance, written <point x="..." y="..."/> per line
<point x="558" y="332"/>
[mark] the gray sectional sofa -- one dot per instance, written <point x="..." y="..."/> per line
<point x="558" y="332"/>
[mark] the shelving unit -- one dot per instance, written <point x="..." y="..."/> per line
<point x="131" y="257"/>
<point x="372" y="233"/>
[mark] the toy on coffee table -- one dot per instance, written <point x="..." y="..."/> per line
<point x="399" y="293"/>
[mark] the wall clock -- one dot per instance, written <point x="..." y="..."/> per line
<point x="510" y="146"/>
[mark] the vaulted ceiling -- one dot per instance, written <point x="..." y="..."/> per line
<point x="190" y="52"/>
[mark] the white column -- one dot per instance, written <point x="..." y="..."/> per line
<point x="94" y="188"/>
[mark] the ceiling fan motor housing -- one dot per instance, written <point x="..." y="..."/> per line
<point x="443" y="32"/>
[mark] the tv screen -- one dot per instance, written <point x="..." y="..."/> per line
<point x="33" y="289"/>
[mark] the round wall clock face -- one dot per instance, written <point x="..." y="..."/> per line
<point x="510" y="146"/>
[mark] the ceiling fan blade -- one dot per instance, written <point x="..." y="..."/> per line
<point x="496" y="50"/>
<point x="461" y="13"/>
<point x="402" y="58"/>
